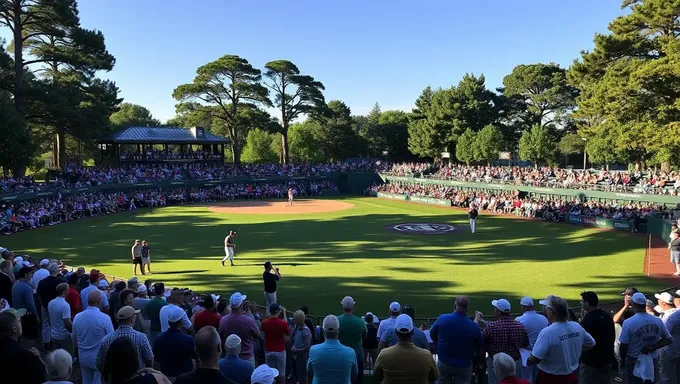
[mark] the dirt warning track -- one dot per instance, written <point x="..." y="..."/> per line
<point x="279" y="207"/>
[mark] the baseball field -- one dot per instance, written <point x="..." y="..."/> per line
<point x="329" y="248"/>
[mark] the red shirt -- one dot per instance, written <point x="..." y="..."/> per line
<point x="514" y="380"/>
<point x="73" y="300"/>
<point x="275" y="331"/>
<point x="205" y="318"/>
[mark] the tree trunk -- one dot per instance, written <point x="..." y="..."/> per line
<point x="61" y="149"/>
<point x="284" y="146"/>
<point x="18" y="170"/>
<point x="235" y="147"/>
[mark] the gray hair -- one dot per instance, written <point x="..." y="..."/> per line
<point x="53" y="267"/>
<point x="504" y="365"/>
<point x="559" y="307"/>
<point x="59" y="365"/>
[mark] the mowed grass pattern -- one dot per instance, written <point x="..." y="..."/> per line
<point x="326" y="256"/>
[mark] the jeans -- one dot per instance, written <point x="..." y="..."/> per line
<point x="593" y="375"/>
<point x="360" y="365"/>
<point x="65" y="344"/>
<point x="276" y="360"/>
<point x="46" y="329"/>
<point x="90" y="375"/>
<point x="453" y="375"/>
<point x="669" y="369"/>
<point x="300" y="366"/>
<point x="269" y="299"/>
<point x="630" y="366"/>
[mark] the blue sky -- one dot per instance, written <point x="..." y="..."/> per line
<point x="363" y="51"/>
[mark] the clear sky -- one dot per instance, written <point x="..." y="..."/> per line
<point x="363" y="51"/>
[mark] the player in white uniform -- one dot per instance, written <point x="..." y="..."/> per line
<point x="472" y="214"/>
<point x="229" y="248"/>
<point x="290" y="196"/>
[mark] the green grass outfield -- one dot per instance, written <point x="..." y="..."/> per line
<point x="326" y="256"/>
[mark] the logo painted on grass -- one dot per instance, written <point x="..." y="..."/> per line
<point x="423" y="228"/>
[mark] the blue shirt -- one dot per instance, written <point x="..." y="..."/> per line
<point x="22" y="297"/>
<point x="236" y="369"/>
<point x="86" y="291"/>
<point x="457" y="339"/>
<point x="673" y="324"/>
<point x="174" y="351"/>
<point x="332" y="363"/>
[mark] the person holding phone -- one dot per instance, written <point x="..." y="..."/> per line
<point x="270" y="276"/>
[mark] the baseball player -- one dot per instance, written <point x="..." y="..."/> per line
<point x="472" y="215"/>
<point x="229" y="248"/>
<point x="290" y="196"/>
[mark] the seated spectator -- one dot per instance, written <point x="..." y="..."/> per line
<point x="120" y="365"/>
<point x="59" y="367"/>
<point x="505" y="368"/>
<point x="173" y="349"/>
<point x="18" y="365"/>
<point x="331" y="361"/>
<point x="232" y="366"/>
<point x="208" y="349"/>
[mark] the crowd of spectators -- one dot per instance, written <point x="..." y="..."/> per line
<point x="157" y="154"/>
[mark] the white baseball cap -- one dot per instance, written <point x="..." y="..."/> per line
<point x="44" y="262"/>
<point x="665" y="297"/>
<point x="347" y="302"/>
<point x="403" y="323"/>
<point x="527" y="301"/>
<point x="141" y="288"/>
<point x="264" y="374"/>
<point x="176" y="314"/>
<point x="19" y="260"/>
<point x="103" y="284"/>
<point x="502" y="305"/>
<point x="331" y="323"/>
<point x="233" y="341"/>
<point x="395" y="307"/>
<point x="658" y="309"/>
<point x="216" y="298"/>
<point x="639" y="298"/>
<point x="236" y="299"/>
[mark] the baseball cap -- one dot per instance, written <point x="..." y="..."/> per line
<point x="527" y="301"/>
<point x="274" y="307"/>
<point x="638" y="298"/>
<point x="665" y="297"/>
<point x="159" y="288"/>
<point x="264" y="374"/>
<point x="16" y="312"/>
<point x="409" y="310"/>
<point x="95" y="275"/>
<point x="676" y="294"/>
<point x="44" y="262"/>
<point x="102" y="284"/>
<point x="176" y="314"/>
<point x="216" y="298"/>
<point x="141" y="288"/>
<point x="331" y="323"/>
<point x="395" y="307"/>
<point x="126" y="312"/>
<point x="502" y="305"/>
<point x="347" y="302"/>
<point x="133" y="280"/>
<point x="237" y="299"/>
<point x="629" y="291"/>
<point x="403" y="323"/>
<point x="18" y="260"/>
<point x="24" y="271"/>
<point x="658" y="309"/>
<point x="233" y="341"/>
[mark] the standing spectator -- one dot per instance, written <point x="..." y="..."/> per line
<point x="6" y="280"/>
<point x="59" y="366"/>
<point x="390" y="337"/>
<point x="275" y="330"/>
<point x="47" y="291"/>
<point x="40" y="273"/>
<point x="95" y="278"/>
<point x="665" y="301"/>
<point x="534" y="324"/>
<point x="146" y="257"/>
<point x="120" y="365"/>
<point x="503" y="335"/>
<point x="173" y="349"/>
<point x="626" y="311"/>
<point x="506" y="368"/>
<point x="125" y="318"/>
<point x="18" y="365"/>
<point x="302" y="342"/>
<point x="232" y="366"/>
<point x="597" y="362"/>
<point x="208" y="316"/>
<point x="353" y="331"/>
<point x="669" y="356"/>
<point x="370" y="343"/>
<point x="22" y="298"/>
<point x="59" y="313"/>
<point x="270" y="279"/>
<point x="330" y="361"/>
<point x="154" y="309"/>
<point x="641" y="334"/>
<point x="89" y="329"/>
<point x="236" y="323"/>
<point x="174" y="302"/>
<point x="404" y="362"/>
<point x="395" y="308"/>
<point x="73" y="296"/>
<point x="559" y="346"/>
<point x="83" y="279"/>
<point x="114" y="301"/>
<point x="137" y="257"/>
<point x="209" y="349"/>
<point x="127" y="298"/>
<point x="456" y="338"/>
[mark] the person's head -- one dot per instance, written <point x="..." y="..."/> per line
<point x="6" y="266"/>
<point x="264" y="374"/>
<point x="274" y="310"/>
<point x="94" y="298"/>
<point x="175" y="316"/>
<point x="121" y="361"/>
<point x="233" y="345"/>
<point x="10" y="324"/>
<point x="236" y="302"/>
<point x="62" y="290"/>
<point x="665" y="300"/>
<point x="408" y="309"/>
<point x="589" y="300"/>
<point x="80" y="271"/>
<point x="44" y="263"/>
<point x="159" y="289"/>
<point x="504" y="365"/>
<point x="556" y="309"/>
<point x="639" y="302"/>
<point x="369" y="318"/>
<point x="299" y="318"/>
<point x="126" y="315"/>
<point x="53" y="269"/>
<point x="72" y="280"/>
<point x="222" y="308"/>
<point x="628" y="292"/>
<point x="501" y="307"/>
<point x="176" y="297"/>
<point x="395" y="309"/>
<point x="127" y="297"/>
<point x="305" y="309"/>
<point x="268" y="266"/>
<point x="208" y="346"/>
<point x="144" y="243"/>
<point x="137" y="243"/>
<point x="133" y="283"/>
<point x="403" y="327"/>
<point x="527" y="304"/>
<point x="25" y="273"/>
<point x="331" y="327"/>
<point x="119" y="286"/>
<point x="142" y="291"/>
<point x="207" y="302"/>
<point x="676" y="298"/>
<point x="59" y="365"/>
<point x="347" y="304"/>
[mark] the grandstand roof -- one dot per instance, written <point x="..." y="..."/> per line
<point x="165" y="135"/>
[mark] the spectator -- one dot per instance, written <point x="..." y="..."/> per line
<point x="264" y="374"/>
<point x="404" y="362"/>
<point x="154" y="309"/>
<point x="457" y="339"/>
<point x="89" y="329"/>
<point x="559" y="346"/>
<point x="59" y="313"/>
<point x="370" y="343"/>
<point x="352" y="333"/>
<point x="22" y="298"/>
<point x="95" y="278"/>
<point x="47" y="291"/>
<point x="173" y="349"/>
<point x="6" y="281"/>
<point x="310" y="325"/>
<point x="505" y="369"/>
<point x="626" y="311"/>
<point x="503" y="335"/>
<point x="114" y="301"/>
<point x="270" y="277"/>
<point x="395" y="308"/>
<point x="174" y="302"/>
<point x="133" y="283"/>
<point x="209" y="349"/>
<point x="121" y="365"/>
<point x="18" y="365"/>
<point x="665" y="301"/>
<point x="41" y="273"/>
<point x="597" y="362"/>
<point x="125" y="319"/>
<point x="534" y="324"/>
<point x="232" y="366"/>
<point x="302" y="342"/>
<point x="641" y="334"/>
<point x="330" y="361"/>
<point x="208" y="316"/>
<point x="275" y="330"/>
<point x="669" y="356"/>
<point x="127" y="298"/>
<point x="73" y="296"/>
<point x="236" y="323"/>
<point x="390" y="338"/>
<point x="59" y="366"/>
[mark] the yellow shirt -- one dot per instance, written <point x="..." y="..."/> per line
<point x="405" y="363"/>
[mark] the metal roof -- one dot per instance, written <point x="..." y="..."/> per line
<point x="158" y="135"/>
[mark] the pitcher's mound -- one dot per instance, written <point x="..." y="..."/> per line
<point x="263" y="207"/>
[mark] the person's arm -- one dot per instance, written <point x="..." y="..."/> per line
<point x="308" y="342"/>
<point x="618" y="317"/>
<point x="540" y="349"/>
<point x="355" y="367"/>
<point x="433" y="374"/>
<point x="666" y="339"/>
<point x="147" y="353"/>
<point x="101" y="355"/>
<point x="254" y="330"/>
<point x="364" y="332"/>
<point x="132" y="251"/>
<point x="378" y="369"/>
<point x="588" y="341"/>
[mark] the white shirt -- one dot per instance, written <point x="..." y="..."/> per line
<point x="89" y="328"/>
<point x="186" y="323"/>
<point x="385" y="324"/>
<point x="59" y="310"/>
<point x="534" y="323"/>
<point x="38" y="276"/>
<point x="641" y="330"/>
<point x="666" y="314"/>
<point x="559" y="346"/>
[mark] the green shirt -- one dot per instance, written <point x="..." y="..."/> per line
<point x="352" y="331"/>
<point x="154" y="310"/>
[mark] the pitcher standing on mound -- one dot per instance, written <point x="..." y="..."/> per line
<point x="472" y="214"/>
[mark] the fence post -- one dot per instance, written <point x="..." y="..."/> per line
<point x="648" y="255"/>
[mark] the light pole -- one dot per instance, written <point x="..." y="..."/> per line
<point x="585" y="159"/>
